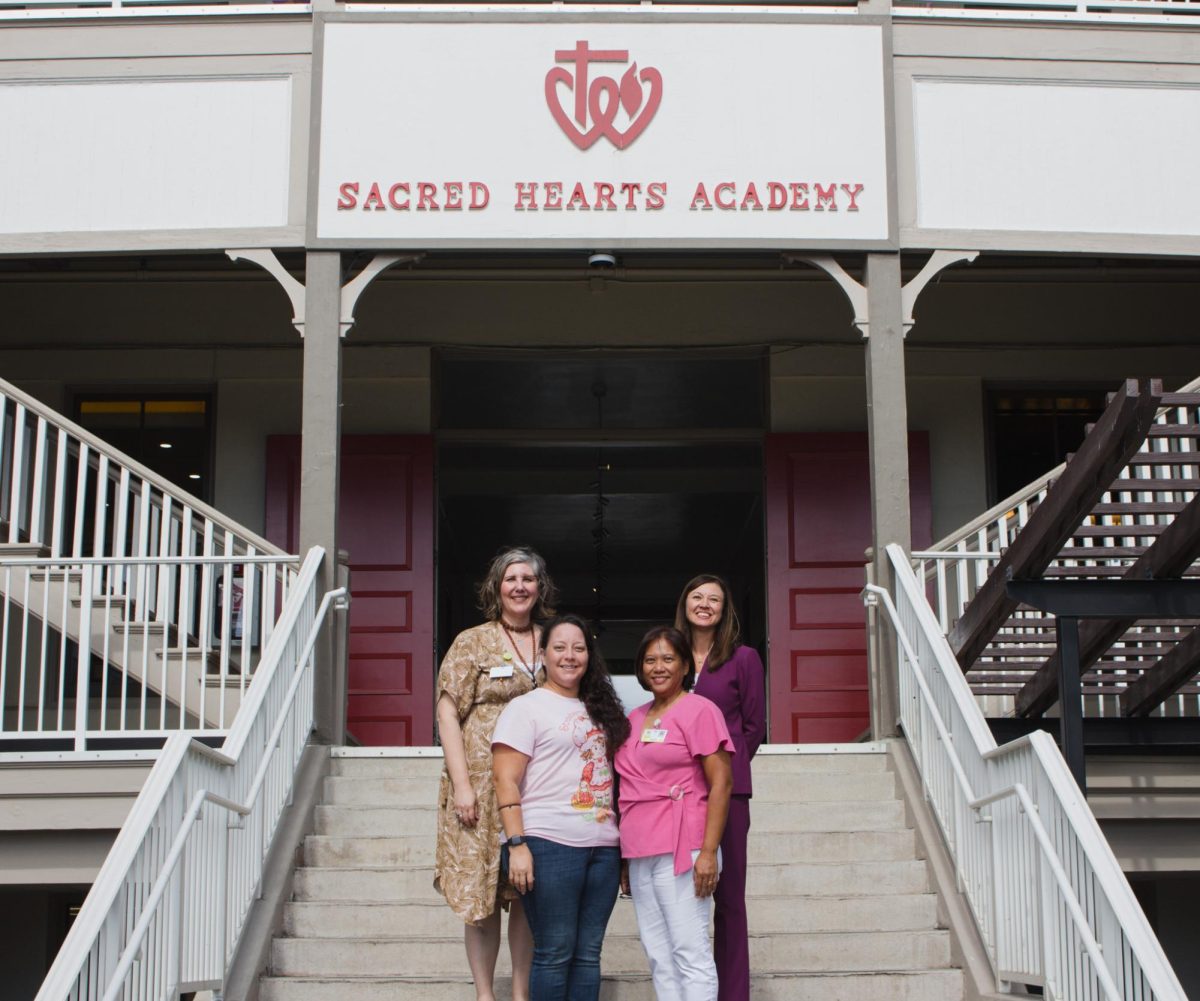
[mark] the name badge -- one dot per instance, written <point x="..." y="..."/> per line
<point x="501" y="671"/>
<point x="653" y="736"/>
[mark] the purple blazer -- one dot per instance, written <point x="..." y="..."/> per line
<point x="737" y="689"/>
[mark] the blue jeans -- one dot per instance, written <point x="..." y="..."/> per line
<point x="574" y="891"/>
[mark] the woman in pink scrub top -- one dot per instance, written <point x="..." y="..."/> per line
<point x="675" y="784"/>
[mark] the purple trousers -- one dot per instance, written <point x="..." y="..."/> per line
<point x="731" y="938"/>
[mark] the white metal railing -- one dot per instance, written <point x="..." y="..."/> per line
<point x="1181" y="12"/>
<point x="92" y="649"/>
<point x="168" y="906"/>
<point x="29" y="10"/>
<point x="70" y="494"/>
<point x="1152" y="11"/>
<point x="128" y="605"/>
<point x="1051" y="903"/>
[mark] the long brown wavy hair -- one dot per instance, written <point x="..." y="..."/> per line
<point x="596" y="690"/>
<point x="728" y="634"/>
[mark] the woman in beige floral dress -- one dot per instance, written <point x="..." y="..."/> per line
<point x="485" y="667"/>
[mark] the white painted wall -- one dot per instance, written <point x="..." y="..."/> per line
<point x="1068" y="156"/>
<point x="144" y="154"/>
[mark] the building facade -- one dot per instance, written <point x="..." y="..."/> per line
<point x="656" y="289"/>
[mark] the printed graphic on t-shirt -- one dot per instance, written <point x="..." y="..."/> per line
<point x="593" y="795"/>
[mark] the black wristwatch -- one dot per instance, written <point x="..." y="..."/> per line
<point x="515" y="840"/>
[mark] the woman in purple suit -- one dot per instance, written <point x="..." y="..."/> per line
<point x="731" y="675"/>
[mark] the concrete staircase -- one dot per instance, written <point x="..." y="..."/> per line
<point x="841" y="907"/>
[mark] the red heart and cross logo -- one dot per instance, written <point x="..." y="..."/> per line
<point x="600" y="98"/>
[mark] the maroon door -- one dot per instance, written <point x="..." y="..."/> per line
<point x="818" y="507"/>
<point x="385" y="523"/>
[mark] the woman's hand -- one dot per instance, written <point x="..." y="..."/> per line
<point x="464" y="805"/>
<point x="704" y="873"/>
<point x="520" y="868"/>
<point x="625" y="892"/>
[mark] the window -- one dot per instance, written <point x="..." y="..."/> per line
<point x="1033" y="430"/>
<point x="170" y="433"/>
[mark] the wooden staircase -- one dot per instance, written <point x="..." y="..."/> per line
<point x="1125" y="506"/>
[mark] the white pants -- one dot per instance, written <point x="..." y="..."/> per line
<point x="673" y="923"/>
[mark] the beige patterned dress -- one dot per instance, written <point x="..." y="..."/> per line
<point x="467" y="865"/>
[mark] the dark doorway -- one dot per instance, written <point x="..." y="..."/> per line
<point x="628" y="473"/>
<point x="1034" y="428"/>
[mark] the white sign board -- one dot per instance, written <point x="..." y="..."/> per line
<point x="594" y="133"/>
<point x="1046" y="156"/>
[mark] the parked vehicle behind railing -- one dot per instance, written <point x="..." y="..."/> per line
<point x="1051" y="903"/>
<point x="167" y="909"/>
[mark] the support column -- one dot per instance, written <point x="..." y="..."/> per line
<point x="321" y="431"/>
<point x="883" y="311"/>
<point x="887" y="436"/>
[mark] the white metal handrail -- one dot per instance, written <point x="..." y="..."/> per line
<point x="96" y="648"/>
<point x="1049" y="898"/>
<point x="65" y="489"/>
<point x="170" y="902"/>
<point x="1172" y="12"/>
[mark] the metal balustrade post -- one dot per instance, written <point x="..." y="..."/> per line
<point x="83" y="653"/>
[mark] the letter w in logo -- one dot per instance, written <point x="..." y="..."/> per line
<point x="602" y="97"/>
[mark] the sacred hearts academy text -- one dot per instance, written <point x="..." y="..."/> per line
<point x="600" y="196"/>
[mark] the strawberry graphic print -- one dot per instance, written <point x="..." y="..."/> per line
<point x="593" y="795"/>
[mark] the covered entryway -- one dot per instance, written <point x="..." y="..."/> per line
<point x="629" y="471"/>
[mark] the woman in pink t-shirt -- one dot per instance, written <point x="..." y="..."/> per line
<point x="551" y="758"/>
<point x="676" y="781"/>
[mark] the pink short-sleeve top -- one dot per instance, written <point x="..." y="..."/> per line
<point x="663" y="791"/>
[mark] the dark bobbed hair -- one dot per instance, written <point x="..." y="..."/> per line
<point x="728" y="633"/>
<point x="678" y="642"/>
<point x="596" y="690"/>
<point x="489" y="587"/>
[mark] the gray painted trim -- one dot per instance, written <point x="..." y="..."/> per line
<point x="253" y="950"/>
<point x="650" y="15"/>
<point x="966" y="947"/>
<point x="1125" y="244"/>
<point x="108" y="39"/>
<point x="890" y="137"/>
<point x="26" y="244"/>
<point x="1047" y="42"/>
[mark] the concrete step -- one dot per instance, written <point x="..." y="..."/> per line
<point x="415" y="882"/>
<point x="384" y="767"/>
<point x="835" y="952"/>
<point x="860" y="846"/>
<point x="772" y="787"/>
<point x="899" y="912"/>
<point x="764" y="764"/>
<point x="397" y="821"/>
<point x="922" y="985"/>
